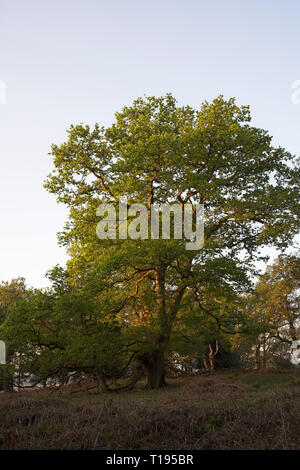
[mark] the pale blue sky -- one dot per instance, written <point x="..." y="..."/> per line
<point x="73" y="61"/>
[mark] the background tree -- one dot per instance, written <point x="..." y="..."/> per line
<point x="60" y="331"/>
<point x="279" y="291"/>
<point x="274" y="308"/>
<point x="11" y="292"/>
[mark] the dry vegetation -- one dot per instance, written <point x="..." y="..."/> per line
<point x="224" y="410"/>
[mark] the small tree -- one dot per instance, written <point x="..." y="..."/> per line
<point x="274" y="307"/>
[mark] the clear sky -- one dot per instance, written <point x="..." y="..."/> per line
<point x="69" y="61"/>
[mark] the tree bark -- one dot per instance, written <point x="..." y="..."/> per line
<point x="155" y="367"/>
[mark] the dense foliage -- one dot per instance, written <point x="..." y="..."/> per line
<point x="122" y="304"/>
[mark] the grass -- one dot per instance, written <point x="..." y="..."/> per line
<point x="224" y="410"/>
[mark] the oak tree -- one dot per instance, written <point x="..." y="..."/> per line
<point x="155" y="153"/>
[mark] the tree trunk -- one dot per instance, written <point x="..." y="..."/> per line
<point x="7" y="375"/>
<point x="101" y="382"/>
<point x="257" y="357"/>
<point x="8" y="382"/>
<point x="155" y="367"/>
